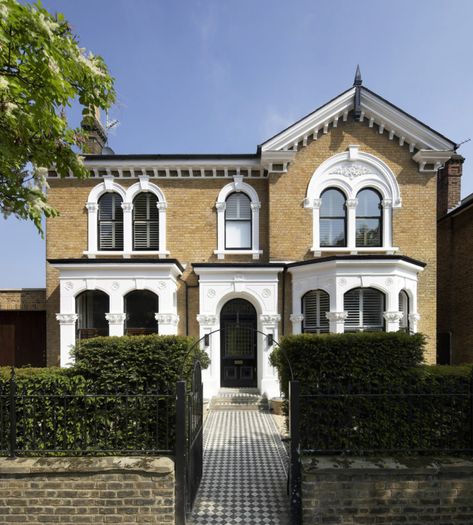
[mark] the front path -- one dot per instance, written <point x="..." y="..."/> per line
<point x="244" y="480"/>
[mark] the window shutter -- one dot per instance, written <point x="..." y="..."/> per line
<point x="352" y="306"/>
<point x="373" y="306"/>
<point x="238" y="207"/>
<point x="404" y="308"/>
<point x="145" y="222"/>
<point x="238" y="222"/>
<point x="110" y="222"/>
<point x="315" y="305"/>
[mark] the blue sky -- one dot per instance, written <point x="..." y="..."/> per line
<point x="221" y="76"/>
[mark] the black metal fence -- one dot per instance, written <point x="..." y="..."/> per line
<point x="85" y="423"/>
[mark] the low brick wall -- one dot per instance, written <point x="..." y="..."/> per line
<point x="87" y="490"/>
<point x="360" y="491"/>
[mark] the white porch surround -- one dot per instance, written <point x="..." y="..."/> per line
<point x="219" y="283"/>
<point x="337" y="275"/>
<point x="116" y="279"/>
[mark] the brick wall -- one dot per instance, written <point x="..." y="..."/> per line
<point x="455" y="282"/>
<point x="87" y="490"/>
<point x="23" y="299"/>
<point x="359" y="491"/>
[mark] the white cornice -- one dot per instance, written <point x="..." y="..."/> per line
<point x="429" y="160"/>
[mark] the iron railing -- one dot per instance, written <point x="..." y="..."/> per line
<point x="85" y="423"/>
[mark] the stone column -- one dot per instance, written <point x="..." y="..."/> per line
<point x="115" y="323"/>
<point x="220" y="206"/>
<point x="269" y="379"/>
<point x="255" y="206"/>
<point x="167" y="323"/>
<point x="92" y="208"/>
<point x="337" y="320"/>
<point x="68" y="337"/>
<point x="211" y="375"/>
<point x="387" y="223"/>
<point x="351" y="223"/>
<point x="316" y="204"/>
<point x="296" y="320"/>
<point x="392" y="320"/>
<point x="127" y="228"/>
<point x="162" y="207"/>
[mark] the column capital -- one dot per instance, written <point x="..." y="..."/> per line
<point x="220" y="206"/>
<point x="393" y="317"/>
<point x="92" y="206"/>
<point x="127" y="207"/>
<point x="352" y="203"/>
<point x="161" y="205"/>
<point x="270" y="320"/>
<point x="316" y="204"/>
<point x="387" y="203"/>
<point x="170" y="319"/>
<point x="206" y="320"/>
<point x="296" y="318"/>
<point x="67" y="319"/>
<point x="337" y="317"/>
<point x="118" y="318"/>
<point x="255" y="205"/>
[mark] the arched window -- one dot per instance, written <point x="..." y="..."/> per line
<point x="91" y="307"/>
<point x="140" y="308"/>
<point x="333" y="218"/>
<point x="365" y="307"/>
<point x="238" y="222"/>
<point x="315" y="304"/>
<point x="404" y="308"/>
<point x="369" y="218"/>
<point x="145" y="222"/>
<point x="110" y="223"/>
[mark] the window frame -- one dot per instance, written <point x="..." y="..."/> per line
<point x="147" y="222"/>
<point x="344" y="218"/>
<point x="361" y="327"/>
<point x="250" y="221"/>
<point x="113" y="222"/>
<point x="368" y="217"/>
<point x="319" y="329"/>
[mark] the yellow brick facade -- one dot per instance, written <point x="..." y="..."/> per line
<point x="285" y="226"/>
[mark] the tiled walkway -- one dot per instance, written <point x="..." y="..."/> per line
<point x="245" y="475"/>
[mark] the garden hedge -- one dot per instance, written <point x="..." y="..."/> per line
<point x="370" y="392"/>
<point x="118" y="397"/>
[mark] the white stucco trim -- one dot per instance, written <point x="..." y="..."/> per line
<point x="217" y="285"/>
<point x="336" y="277"/>
<point x="110" y="185"/>
<point x="350" y="172"/>
<point x="237" y="186"/>
<point x="116" y="280"/>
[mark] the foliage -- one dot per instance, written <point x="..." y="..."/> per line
<point x="42" y="71"/>
<point x="136" y="362"/>
<point x="119" y="396"/>
<point x="363" y="393"/>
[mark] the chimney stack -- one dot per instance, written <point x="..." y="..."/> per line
<point x="96" y="135"/>
<point x="449" y="185"/>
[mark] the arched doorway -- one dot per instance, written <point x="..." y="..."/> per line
<point x="91" y="308"/>
<point x="140" y="308"/>
<point x="238" y="344"/>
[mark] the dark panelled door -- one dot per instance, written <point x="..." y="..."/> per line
<point x="238" y="344"/>
<point x="22" y="338"/>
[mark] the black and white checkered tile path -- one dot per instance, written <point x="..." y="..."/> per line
<point x="244" y="480"/>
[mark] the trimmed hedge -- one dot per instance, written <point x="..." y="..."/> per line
<point x="365" y="393"/>
<point x="64" y="411"/>
<point x="136" y="363"/>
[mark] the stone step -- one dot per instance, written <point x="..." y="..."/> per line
<point x="238" y="399"/>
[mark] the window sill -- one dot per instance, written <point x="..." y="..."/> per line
<point x="388" y="250"/>
<point x="221" y="253"/>
<point x="125" y="255"/>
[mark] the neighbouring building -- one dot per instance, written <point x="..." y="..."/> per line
<point x="330" y="226"/>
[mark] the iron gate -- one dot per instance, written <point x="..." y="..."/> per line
<point x="189" y="443"/>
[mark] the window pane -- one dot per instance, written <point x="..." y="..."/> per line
<point x="332" y="232"/>
<point x="315" y="304"/>
<point x="369" y="204"/>
<point x="372" y="306"/>
<point x="365" y="308"/>
<point x="368" y="232"/>
<point x="238" y="206"/>
<point x="238" y="234"/>
<point x="333" y="204"/>
<point x="140" y="307"/>
<point x="145" y="222"/>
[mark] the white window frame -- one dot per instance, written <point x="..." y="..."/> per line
<point x="352" y="171"/>
<point x="110" y="185"/>
<point x="238" y="186"/>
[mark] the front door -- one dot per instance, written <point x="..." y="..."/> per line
<point x="238" y="344"/>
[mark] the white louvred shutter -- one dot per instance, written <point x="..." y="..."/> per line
<point x="238" y="222"/>
<point x="145" y="222"/>
<point x="315" y="305"/>
<point x="351" y="304"/>
<point x="110" y="222"/>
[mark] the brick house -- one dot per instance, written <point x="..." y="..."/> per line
<point x="329" y="227"/>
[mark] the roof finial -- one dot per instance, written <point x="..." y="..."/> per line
<point x="357" y="81"/>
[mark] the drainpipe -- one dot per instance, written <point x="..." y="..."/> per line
<point x="283" y="309"/>
<point x="187" y="303"/>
